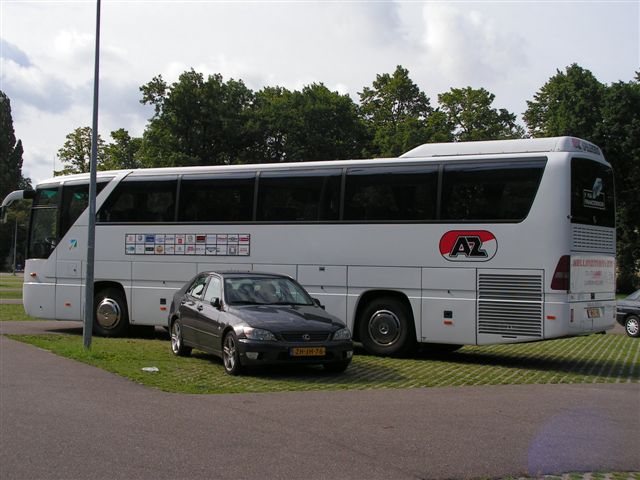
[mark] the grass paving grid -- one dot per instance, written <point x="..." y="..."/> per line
<point x="591" y="359"/>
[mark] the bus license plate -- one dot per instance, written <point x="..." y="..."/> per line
<point x="593" y="312"/>
<point x="308" y="352"/>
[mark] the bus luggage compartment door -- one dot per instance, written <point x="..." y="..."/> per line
<point x="449" y="305"/>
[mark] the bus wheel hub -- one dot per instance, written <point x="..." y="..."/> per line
<point x="384" y="327"/>
<point x="108" y="313"/>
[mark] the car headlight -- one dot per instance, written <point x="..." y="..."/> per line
<point x="342" y="334"/>
<point x="258" y="334"/>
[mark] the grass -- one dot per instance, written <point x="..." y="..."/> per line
<point x="592" y="359"/>
<point x="14" y="313"/>
<point x="6" y="294"/>
<point x="7" y="280"/>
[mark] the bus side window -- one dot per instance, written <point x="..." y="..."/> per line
<point x="141" y="200"/>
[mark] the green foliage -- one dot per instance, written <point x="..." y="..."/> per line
<point x="76" y="152"/>
<point x="568" y="104"/>
<point x="470" y="116"/>
<point x="312" y="124"/>
<point x="398" y="115"/>
<point x="10" y="152"/>
<point x="197" y="121"/>
<point x="122" y="153"/>
<point x="618" y="134"/>
<point x="11" y="179"/>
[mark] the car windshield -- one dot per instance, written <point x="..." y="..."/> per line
<point x="264" y="291"/>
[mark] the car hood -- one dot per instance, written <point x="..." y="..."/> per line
<point x="282" y="318"/>
<point x="629" y="303"/>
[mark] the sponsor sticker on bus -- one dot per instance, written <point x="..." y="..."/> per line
<point x="468" y="245"/>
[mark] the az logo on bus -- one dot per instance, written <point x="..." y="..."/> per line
<point x="468" y="246"/>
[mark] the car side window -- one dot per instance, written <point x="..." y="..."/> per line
<point x="214" y="290"/>
<point x="197" y="288"/>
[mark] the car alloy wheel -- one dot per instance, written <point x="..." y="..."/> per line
<point x="230" y="354"/>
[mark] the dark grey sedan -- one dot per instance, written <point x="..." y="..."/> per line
<point x="256" y="319"/>
<point x="628" y="314"/>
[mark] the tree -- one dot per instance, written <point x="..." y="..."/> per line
<point x="568" y="104"/>
<point x="619" y="136"/>
<point x="121" y="153"/>
<point x="76" y="152"/>
<point x="11" y="178"/>
<point x="197" y="121"/>
<point x="10" y="151"/>
<point x="470" y="117"/>
<point x="307" y="125"/>
<point x="398" y="115"/>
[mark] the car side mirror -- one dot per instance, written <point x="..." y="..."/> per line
<point x="216" y="303"/>
<point x="317" y="303"/>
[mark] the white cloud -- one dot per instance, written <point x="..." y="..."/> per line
<point x="465" y="44"/>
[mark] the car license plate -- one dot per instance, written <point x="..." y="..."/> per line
<point x="593" y="312"/>
<point x="308" y="352"/>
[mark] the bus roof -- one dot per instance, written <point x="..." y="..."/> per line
<point x="529" y="145"/>
<point x="426" y="151"/>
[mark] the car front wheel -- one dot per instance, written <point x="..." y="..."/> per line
<point x="177" y="344"/>
<point x="231" y="354"/>
<point x="632" y="326"/>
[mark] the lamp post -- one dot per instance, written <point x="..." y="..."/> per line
<point x="91" y="229"/>
<point x="15" y="246"/>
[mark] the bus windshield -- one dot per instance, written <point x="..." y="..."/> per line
<point x="44" y="223"/>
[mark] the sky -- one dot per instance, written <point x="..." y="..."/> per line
<point x="510" y="48"/>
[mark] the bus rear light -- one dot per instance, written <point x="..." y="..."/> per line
<point x="551" y="317"/>
<point x="561" y="277"/>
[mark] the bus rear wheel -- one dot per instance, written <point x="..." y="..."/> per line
<point x="386" y="328"/>
<point x="110" y="318"/>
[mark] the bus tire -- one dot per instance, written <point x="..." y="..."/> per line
<point x="110" y="315"/>
<point x="386" y="328"/>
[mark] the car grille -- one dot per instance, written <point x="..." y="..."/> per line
<point x="297" y="336"/>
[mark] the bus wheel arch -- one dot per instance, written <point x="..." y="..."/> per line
<point x="110" y="310"/>
<point x="385" y="323"/>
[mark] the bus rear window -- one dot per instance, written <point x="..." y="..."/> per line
<point x="592" y="193"/>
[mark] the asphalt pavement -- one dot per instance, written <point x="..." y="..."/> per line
<point x="61" y="419"/>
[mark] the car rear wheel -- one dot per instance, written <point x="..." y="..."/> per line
<point x="632" y="326"/>
<point x="177" y="343"/>
<point x="231" y="354"/>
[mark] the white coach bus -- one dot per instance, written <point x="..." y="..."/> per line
<point x="451" y="244"/>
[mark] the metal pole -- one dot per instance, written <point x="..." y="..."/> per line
<point x="91" y="231"/>
<point x="15" y="246"/>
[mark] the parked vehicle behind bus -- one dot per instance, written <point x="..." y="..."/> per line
<point x="451" y="244"/>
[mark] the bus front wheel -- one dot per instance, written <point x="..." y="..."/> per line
<point x="110" y="317"/>
<point x="386" y="328"/>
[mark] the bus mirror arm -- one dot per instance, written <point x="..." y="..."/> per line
<point x="12" y="197"/>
